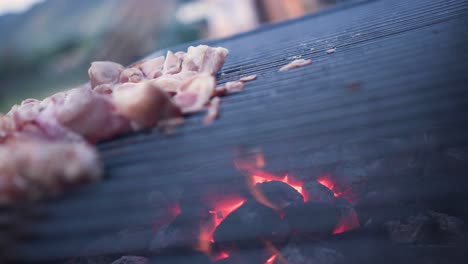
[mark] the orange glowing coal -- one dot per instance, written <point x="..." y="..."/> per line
<point x="271" y="260"/>
<point x="267" y="178"/>
<point x="341" y="191"/>
<point x="220" y="212"/>
<point x="347" y="223"/>
<point x="327" y="182"/>
<point x="225" y="208"/>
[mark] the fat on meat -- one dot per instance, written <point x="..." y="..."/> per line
<point x="152" y="68"/>
<point x="172" y="64"/>
<point x="104" y="72"/>
<point x="195" y="93"/>
<point x="248" y="78"/>
<point x="31" y="169"/>
<point x="145" y="104"/>
<point x="132" y="75"/>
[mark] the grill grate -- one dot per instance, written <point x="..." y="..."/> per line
<point x="409" y="58"/>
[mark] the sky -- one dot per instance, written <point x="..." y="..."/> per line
<point x="15" y="6"/>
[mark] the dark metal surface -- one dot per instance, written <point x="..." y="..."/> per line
<point x="398" y="78"/>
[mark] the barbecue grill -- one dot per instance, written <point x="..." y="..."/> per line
<point x="386" y="113"/>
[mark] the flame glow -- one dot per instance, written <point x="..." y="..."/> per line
<point x="327" y="182"/>
<point x="271" y="260"/>
<point x="220" y="212"/>
<point x="347" y="223"/>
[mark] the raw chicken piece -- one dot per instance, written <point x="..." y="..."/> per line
<point x="132" y="75"/>
<point x="22" y="123"/>
<point x="195" y="93"/>
<point x="104" y="72"/>
<point x="204" y="59"/>
<point x="104" y="89"/>
<point x="144" y="103"/>
<point x="295" y="64"/>
<point x="173" y="63"/>
<point x="153" y="68"/>
<point x="248" y="78"/>
<point x="213" y="111"/>
<point x="33" y="169"/>
<point x="83" y="112"/>
<point x="167" y="83"/>
<point x="235" y="86"/>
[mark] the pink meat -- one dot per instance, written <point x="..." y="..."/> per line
<point x="172" y="64"/>
<point x="83" y="112"/>
<point x="104" y="72"/>
<point x="204" y="59"/>
<point x="213" y="111"/>
<point x="235" y="86"/>
<point x="195" y="93"/>
<point x="132" y="75"/>
<point x="248" y="78"/>
<point x="32" y="169"/>
<point x="153" y="68"/>
<point x="144" y="103"/>
<point x="295" y="64"/>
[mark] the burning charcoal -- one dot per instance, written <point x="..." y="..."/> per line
<point x="131" y="260"/>
<point x="182" y="232"/>
<point x="348" y="217"/>
<point x="309" y="254"/>
<point x="249" y="227"/>
<point x="317" y="192"/>
<point x="279" y="193"/>
<point x="312" y="218"/>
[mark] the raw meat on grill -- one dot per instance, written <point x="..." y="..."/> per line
<point x="194" y="94"/>
<point x="204" y="59"/>
<point x="248" y="78"/>
<point x="152" y="68"/>
<point x="213" y="111"/>
<point x="132" y="75"/>
<point x="295" y="64"/>
<point x="173" y="63"/>
<point x="48" y="138"/>
<point x="33" y="169"/>
<point x="144" y="103"/>
<point x="84" y="112"/>
<point x="104" y="72"/>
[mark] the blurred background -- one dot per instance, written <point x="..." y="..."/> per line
<point x="47" y="45"/>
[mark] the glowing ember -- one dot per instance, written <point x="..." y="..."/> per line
<point x="222" y="255"/>
<point x="220" y="212"/>
<point x="341" y="191"/>
<point x="271" y="259"/>
<point x="327" y="182"/>
<point x="265" y="177"/>
<point x="225" y="209"/>
<point x="347" y="223"/>
<point x="222" y="209"/>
